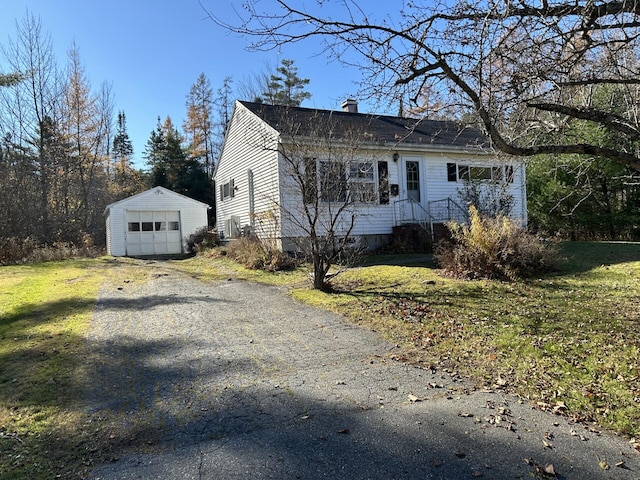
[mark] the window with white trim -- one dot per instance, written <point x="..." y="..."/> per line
<point x="227" y="190"/>
<point x="362" y="185"/>
<point x="359" y="182"/>
<point x="333" y="181"/>
<point x="467" y="172"/>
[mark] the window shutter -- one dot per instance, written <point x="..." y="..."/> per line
<point x="221" y="192"/>
<point x="509" y="173"/>
<point x="231" y="189"/>
<point x="452" y="173"/>
<point x="383" y="182"/>
<point x="310" y="182"/>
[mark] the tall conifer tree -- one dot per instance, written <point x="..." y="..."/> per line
<point x="198" y="124"/>
<point x="285" y="87"/>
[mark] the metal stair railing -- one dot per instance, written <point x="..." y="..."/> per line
<point x="447" y="210"/>
<point x="417" y="214"/>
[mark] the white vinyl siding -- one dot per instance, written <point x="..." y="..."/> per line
<point x="249" y="145"/>
<point x="439" y="187"/>
<point x="274" y="208"/>
<point x="156" y="212"/>
<point x="372" y="218"/>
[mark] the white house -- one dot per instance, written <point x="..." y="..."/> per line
<point x="155" y="222"/>
<point x="391" y="171"/>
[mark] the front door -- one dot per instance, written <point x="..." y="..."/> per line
<point x="412" y="211"/>
<point x="413" y="180"/>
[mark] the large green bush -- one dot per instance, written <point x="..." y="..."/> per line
<point x="493" y="247"/>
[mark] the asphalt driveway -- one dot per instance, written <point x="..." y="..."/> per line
<point x="234" y="380"/>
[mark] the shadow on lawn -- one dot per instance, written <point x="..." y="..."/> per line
<point x="576" y="257"/>
<point x="580" y="257"/>
<point x="399" y="260"/>
<point x="38" y="313"/>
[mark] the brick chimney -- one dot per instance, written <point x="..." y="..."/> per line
<point x="350" y="105"/>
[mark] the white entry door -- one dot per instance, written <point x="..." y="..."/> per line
<point x="413" y="188"/>
<point x="412" y="176"/>
<point x="153" y="233"/>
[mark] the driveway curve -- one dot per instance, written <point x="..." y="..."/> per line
<point x="234" y="380"/>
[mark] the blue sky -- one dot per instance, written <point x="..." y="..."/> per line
<point x="151" y="52"/>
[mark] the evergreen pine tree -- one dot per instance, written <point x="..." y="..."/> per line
<point x="156" y="155"/>
<point x="173" y="168"/>
<point x="285" y="87"/>
<point x="122" y="146"/>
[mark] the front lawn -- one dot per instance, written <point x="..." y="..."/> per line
<point x="569" y="342"/>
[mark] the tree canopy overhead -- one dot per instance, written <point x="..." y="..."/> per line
<point x="528" y="71"/>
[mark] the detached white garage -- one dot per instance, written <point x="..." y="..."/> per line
<point x="155" y="222"/>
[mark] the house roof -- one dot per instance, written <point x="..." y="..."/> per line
<point x="377" y="129"/>
<point x="158" y="190"/>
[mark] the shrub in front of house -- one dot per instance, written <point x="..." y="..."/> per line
<point x="494" y="248"/>
<point x="202" y="239"/>
<point x="255" y="254"/>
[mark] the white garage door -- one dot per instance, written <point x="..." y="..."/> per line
<point x="153" y="233"/>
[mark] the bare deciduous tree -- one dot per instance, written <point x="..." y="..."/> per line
<point x="29" y="112"/>
<point x="527" y="71"/>
<point x="54" y="154"/>
<point x="327" y="177"/>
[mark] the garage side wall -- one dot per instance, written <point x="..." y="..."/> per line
<point x="192" y="219"/>
<point x="116" y="233"/>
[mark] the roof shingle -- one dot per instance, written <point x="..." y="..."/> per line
<point x="377" y="129"/>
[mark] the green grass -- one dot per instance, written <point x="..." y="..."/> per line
<point x="45" y="311"/>
<point x="569" y="341"/>
<point x="212" y="267"/>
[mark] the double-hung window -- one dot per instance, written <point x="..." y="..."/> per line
<point x="227" y="190"/>
<point x="337" y="181"/>
<point x="362" y="185"/>
<point x="333" y="181"/>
